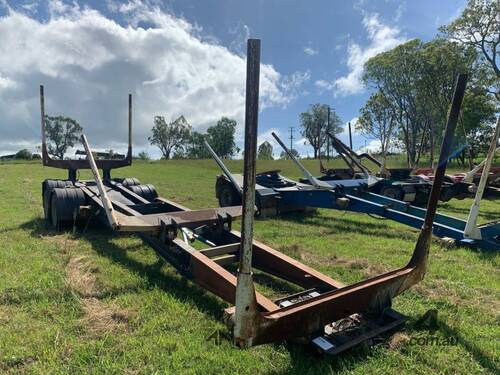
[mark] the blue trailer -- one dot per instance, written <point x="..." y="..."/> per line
<point x="276" y="194"/>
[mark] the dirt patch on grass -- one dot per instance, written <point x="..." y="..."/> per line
<point x="104" y="318"/>
<point x="63" y="241"/>
<point x="368" y="269"/>
<point x="100" y="317"/>
<point x="293" y="250"/>
<point x="398" y="340"/>
<point x="17" y="363"/>
<point x="80" y="276"/>
<point x="4" y="315"/>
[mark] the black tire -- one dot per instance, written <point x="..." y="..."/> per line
<point x="393" y="192"/>
<point x="47" y="187"/>
<point x="228" y="196"/>
<point x="64" y="205"/>
<point x="131" y="181"/>
<point x="147" y="191"/>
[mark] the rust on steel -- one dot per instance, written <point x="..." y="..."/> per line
<point x="42" y="115"/>
<point x="308" y="317"/>
<point x="246" y="303"/>
<point x="256" y="319"/>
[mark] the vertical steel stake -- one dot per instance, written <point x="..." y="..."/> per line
<point x="42" y="115"/>
<point x="246" y="312"/>
<point x="350" y="136"/>
<point x="129" y="125"/>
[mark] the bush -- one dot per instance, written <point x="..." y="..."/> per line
<point x="24" y="154"/>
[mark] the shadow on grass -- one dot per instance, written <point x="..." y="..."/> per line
<point x="307" y="360"/>
<point x="341" y="225"/>
<point x="487" y="215"/>
<point x="453" y="335"/>
<point x="303" y="359"/>
<point x="101" y="242"/>
<point x="472" y="348"/>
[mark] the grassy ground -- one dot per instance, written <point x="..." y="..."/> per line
<point x="103" y="303"/>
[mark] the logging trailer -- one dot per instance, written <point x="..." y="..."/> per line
<point x="276" y="194"/>
<point x="396" y="183"/>
<point x="311" y="315"/>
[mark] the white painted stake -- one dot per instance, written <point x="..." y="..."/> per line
<point x="471" y="229"/>
<point x="106" y="202"/>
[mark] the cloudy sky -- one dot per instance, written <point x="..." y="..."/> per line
<point x="188" y="57"/>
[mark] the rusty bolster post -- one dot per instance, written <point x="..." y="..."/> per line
<point x="423" y="243"/>
<point x="42" y="118"/>
<point x="246" y="306"/>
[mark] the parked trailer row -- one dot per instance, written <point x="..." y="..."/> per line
<point x="277" y="194"/>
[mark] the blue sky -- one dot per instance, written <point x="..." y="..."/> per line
<point x="192" y="60"/>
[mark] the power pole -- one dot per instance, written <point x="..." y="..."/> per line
<point x="327" y="136"/>
<point x="318" y="144"/>
<point x="291" y="137"/>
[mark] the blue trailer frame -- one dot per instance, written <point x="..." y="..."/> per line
<point x="354" y="196"/>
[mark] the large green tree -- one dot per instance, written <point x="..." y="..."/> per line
<point x="62" y="133"/>
<point x="221" y="137"/>
<point x="417" y="79"/>
<point x="169" y="136"/>
<point x="479" y="27"/>
<point x="196" y="148"/>
<point x="265" y="151"/>
<point x="315" y="124"/>
<point x="378" y="120"/>
<point x="393" y="74"/>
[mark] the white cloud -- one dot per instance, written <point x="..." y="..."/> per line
<point x="400" y="10"/>
<point x="310" y="51"/>
<point x="89" y="63"/>
<point x="292" y="84"/>
<point x="382" y="38"/>
<point x="301" y="142"/>
<point x="267" y="136"/>
<point x="372" y="147"/>
<point x="241" y="33"/>
<point x="353" y="122"/>
<point x="6" y="83"/>
<point x="324" y="85"/>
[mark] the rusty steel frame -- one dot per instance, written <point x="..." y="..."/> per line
<point x="256" y="319"/>
<point x="309" y="317"/>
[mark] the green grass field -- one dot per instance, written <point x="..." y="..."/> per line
<point x="104" y="303"/>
